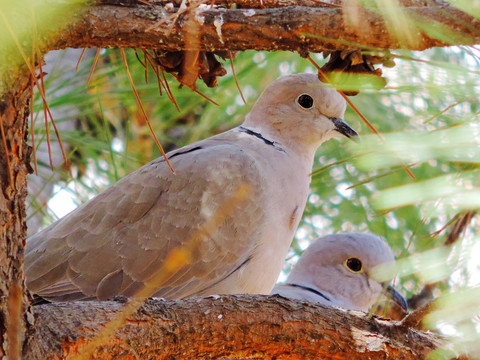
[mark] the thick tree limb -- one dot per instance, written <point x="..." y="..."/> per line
<point x="14" y="166"/>
<point x="288" y="28"/>
<point x="231" y="326"/>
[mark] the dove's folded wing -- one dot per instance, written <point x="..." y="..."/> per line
<point x="117" y="241"/>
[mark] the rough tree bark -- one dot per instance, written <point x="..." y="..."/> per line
<point x="242" y="326"/>
<point x="14" y="164"/>
<point x="271" y="327"/>
<point x="293" y="28"/>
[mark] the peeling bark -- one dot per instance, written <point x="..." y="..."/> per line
<point x="14" y="157"/>
<point x="288" y="28"/>
<point x="238" y="326"/>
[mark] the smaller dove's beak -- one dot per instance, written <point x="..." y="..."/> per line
<point x="396" y="297"/>
<point x="343" y="128"/>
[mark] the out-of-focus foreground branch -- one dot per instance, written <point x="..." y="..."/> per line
<point x="284" y="28"/>
<point x="221" y="327"/>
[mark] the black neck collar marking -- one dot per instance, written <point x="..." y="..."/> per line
<point x="311" y="290"/>
<point x="260" y="136"/>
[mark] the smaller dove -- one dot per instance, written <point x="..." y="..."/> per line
<point x="335" y="271"/>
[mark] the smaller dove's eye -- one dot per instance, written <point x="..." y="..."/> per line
<point x="305" y="101"/>
<point x="354" y="265"/>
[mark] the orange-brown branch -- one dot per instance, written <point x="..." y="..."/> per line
<point x="226" y="326"/>
<point x="287" y="28"/>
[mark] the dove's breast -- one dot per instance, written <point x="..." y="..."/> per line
<point x="283" y="191"/>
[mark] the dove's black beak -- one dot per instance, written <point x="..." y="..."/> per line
<point x="343" y="128"/>
<point x="396" y="297"/>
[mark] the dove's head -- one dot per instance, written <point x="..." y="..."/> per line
<point x="339" y="266"/>
<point x="299" y="110"/>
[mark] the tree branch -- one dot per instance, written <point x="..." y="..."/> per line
<point x="14" y="166"/>
<point x="288" y="28"/>
<point x="231" y="326"/>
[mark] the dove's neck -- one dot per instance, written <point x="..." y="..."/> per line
<point x="291" y="145"/>
<point x="303" y="279"/>
<point x="292" y="133"/>
<point x="310" y="290"/>
<point x="353" y="297"/>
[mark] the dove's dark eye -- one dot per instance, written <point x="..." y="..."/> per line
<point x="305" y="101"/>
<point x="354" y="264"/>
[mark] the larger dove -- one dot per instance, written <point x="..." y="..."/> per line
<point x="153" y="222"/>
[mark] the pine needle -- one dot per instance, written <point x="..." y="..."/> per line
<point x="235" y="77"/>
<point x="161" y="83"/>
<point x="45" y="118"/>
<point x="32" y="121"/>
<point x="57" y="133"/>
<point x="32" y="129"/>
<point x="137" y="97"/>
<point x="205" y="97"/>
<point x="326" y="3"/>
<point x="93" y="65"/>
<point x="169" y="92"/>
<point x="80" y="59"/>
